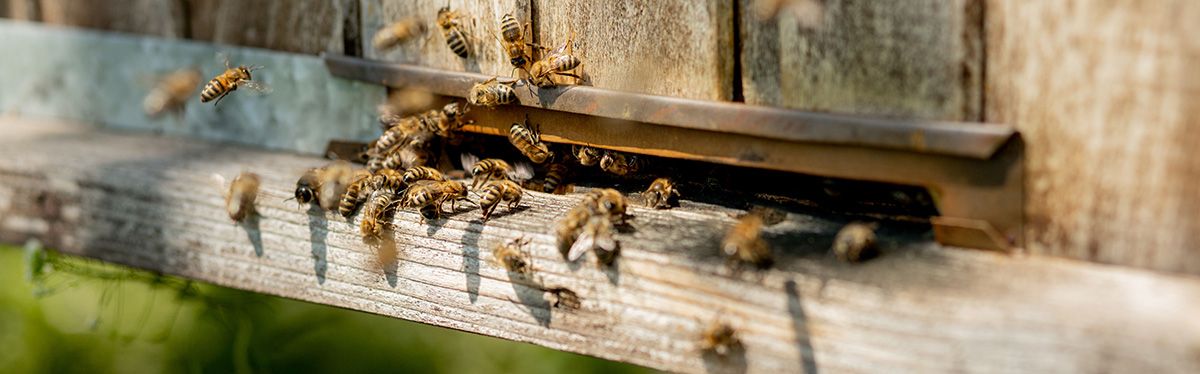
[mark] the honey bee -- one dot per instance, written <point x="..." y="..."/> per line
<point x="719" y="338"/>
<point x="556" y="173"/>
<point x="617" y="163"/>
<point x="529" y="142"/>
<point x="430" y="193"/>
<point x="743" y="243"/>
<point x="661" y="194"/>
<point x="389" y="179"/>
<point x="606" y="203"/>
<point x="229" y="81"/>
<point x="596" y="235"/>
<point x="450" y="23"/>
<point x="307" y="186"/>
<point x="494" y="168"/>
<point x="171" y="92"/>
<point x="564" y="298"/>
<point x="492" y="93"/>
<point x="377" y="212"/>
<point x="391" y="35"/>
<point x="496" y="191"/>
<point x="855" y="242"/>
<point x="587" y="156"/>
<point x="422" y="173"/>
<point x="402" y="158"/>
<point x="356" y="193"/>
<point x="239" y="201"/>
<point x="513" y="256"/>
<point x="559" y="62"/>
<point x="334" y="179"/>
<point x="513" y="41"/>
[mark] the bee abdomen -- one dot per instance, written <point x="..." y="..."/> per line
<point x="212" y="90"/>
<point x="505" y="95"/>
<point x="510" y="29"/>
<point x="565" y="63"/>
<point x="456" y="41"/>
<point x="353" y="198"/>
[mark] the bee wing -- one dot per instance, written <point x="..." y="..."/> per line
<point x="256" y="86"/>
<point x="468" y="162"/>
<point x="585" y="241"/>
<point x="219" y="182"/>
<point x="223" y="58"/>
<point x="521" y="171"/>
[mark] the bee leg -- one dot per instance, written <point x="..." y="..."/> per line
<point x="220" y="97"/>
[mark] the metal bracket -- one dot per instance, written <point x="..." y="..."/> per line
<point x="973" y="170"/>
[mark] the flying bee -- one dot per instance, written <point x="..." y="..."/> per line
<point x="243" y="191"/>
<point x="719" y="338"/>
<point x="513" y="256"/>
<point x="617" y="163"/>
<point x="559" y="62"/>
<point x="450" y="23"/>
<point x="494" y="168"/>
<point x="401" y="158"/>
<point x="229" y="81"/>
<point x="596" y="235"/>
<point x="587" y="156"/>
<point x="744" y="244"/>
<point x="529" y="142"/>
<point x="855" y="242"/>
<point x="377" y="212"/>
<point x="661" y="194"/>
<point x="404" y="102"/>
<point x="422" y="173"/>
<point x="492" y="93"/>
<point x="392" y="35"/>
<point x="556" y="173"/>
<point x="497" y="191"/>
<point x="513" y="41"/>
<point x="171" y="92"/>
<point x="307" y="186"/>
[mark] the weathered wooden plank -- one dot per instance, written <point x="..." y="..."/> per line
<point x="103" y="77"/>
<point x="482" y="24"/>
<point x="312" y="26"/>
<point x="150" y="17"/>
<point x="673" y="47"/>
<point x="146" y="201"/>
<point x="1104" y="95"/>
<point x="914" y="59"/>
<point x="19" y="9"/>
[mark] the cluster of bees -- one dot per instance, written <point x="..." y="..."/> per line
<point x="400" y="167"/>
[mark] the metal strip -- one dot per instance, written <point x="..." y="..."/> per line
<point x="974" y="171"/>
<point x="973" y="140"/>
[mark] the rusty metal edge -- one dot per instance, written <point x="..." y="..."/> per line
<point x="958" y="139"/>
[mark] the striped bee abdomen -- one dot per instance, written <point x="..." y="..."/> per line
<point x="457" y="41"/>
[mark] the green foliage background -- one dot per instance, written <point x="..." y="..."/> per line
<point x="91" y="325"/>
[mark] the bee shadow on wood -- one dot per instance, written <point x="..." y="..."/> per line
<point x="251" y="226"/>
<point x="532" y="297"/>
<point x="547" y="96"/>
<point x="470" y="241"/>
<point x="808" y="358"/>
<point x="387" y="257"/>
<point x="733" y="361"/>
<point x="317" y="232"/>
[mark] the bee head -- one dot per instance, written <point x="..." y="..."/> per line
<point x="244" y="72"/>
<point x="518" y="61"/>
<point x="304" y="194"/>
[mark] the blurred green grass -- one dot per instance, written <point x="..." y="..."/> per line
<point x="90" y="325"/>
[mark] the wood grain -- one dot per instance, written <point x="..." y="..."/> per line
<point x="150" y="17"/>
<point x="19" y="9"/>
<point x="147" y="201"/>
<point x="482" y="25"/>
<point x="911" y="59"/>
<point x="1104" y="94"/>
<point x="678" y="48"/>
<point x="312" y="26"/>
